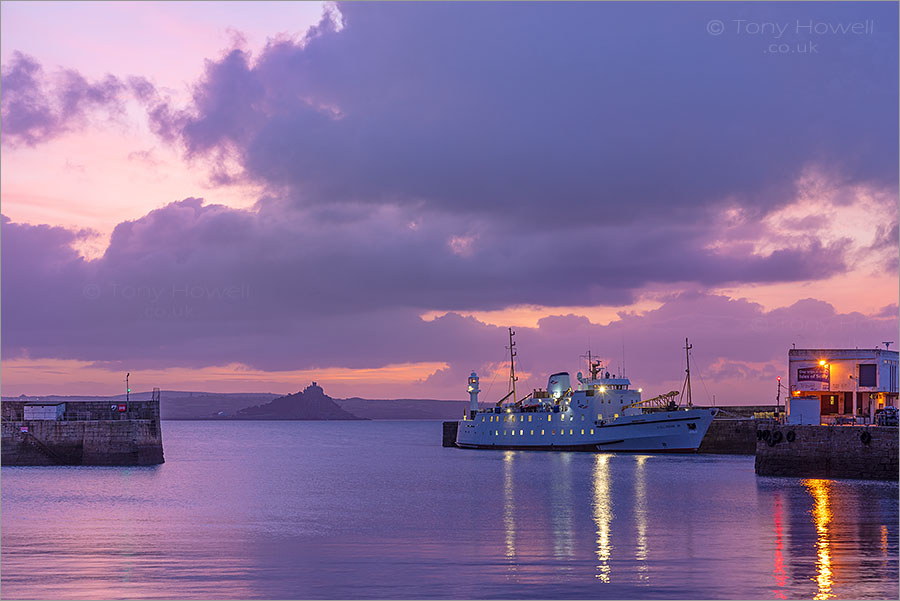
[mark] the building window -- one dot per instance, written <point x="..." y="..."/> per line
<point x="867" y="375"/>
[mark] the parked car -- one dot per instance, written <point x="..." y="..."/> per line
<point x="886" y="416"/>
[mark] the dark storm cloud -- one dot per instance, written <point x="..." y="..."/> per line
<point x="206" y="283"/>
<point x="551" y="114"/>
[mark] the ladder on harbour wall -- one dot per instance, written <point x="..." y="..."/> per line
<point x="31" y="440"/>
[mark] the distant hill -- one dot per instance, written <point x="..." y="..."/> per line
<point x="310" y="404"/>
<point x="404" y="408"/>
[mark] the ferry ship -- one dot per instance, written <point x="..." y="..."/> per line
<point x="598" y="413"/>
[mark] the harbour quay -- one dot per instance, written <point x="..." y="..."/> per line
<point x="81" y="432"/>
<point x="860" y="452"/>
<point x="841" y="417"/>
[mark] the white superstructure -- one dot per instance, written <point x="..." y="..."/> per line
<point x="599" y="413"/>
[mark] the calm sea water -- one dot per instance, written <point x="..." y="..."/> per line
<point x="379" y="509"/>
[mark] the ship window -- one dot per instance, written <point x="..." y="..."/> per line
<point x="592" y="431"/>
<point x="542" y="432"/>
<point x="529" y="418"/>
<point x="513" y="433"/>
<point x="582" y="417"/>
<point x="582" y="431"/>
<point x="553" y="432"/>
<point x="599" y="416"/>
<point x="532" y="432"/>
<point x="521" y="418"/>
<point x="570" y="432"/>
<point x="616" y="416"/>
<point x="496" y="432"/>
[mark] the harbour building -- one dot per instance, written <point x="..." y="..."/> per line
<point x="849" y="384"/>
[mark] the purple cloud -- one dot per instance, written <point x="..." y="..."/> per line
<point x="36" y="108"/>
<point x="205" y="284"/>
<point x="610" y="113"/>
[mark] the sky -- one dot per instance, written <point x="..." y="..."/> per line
<point x="249" y="196"/>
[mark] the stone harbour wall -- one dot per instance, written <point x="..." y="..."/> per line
<point x="90" y="442"/>
<point x="828" y="452"/>
<point x="730" y="436"/>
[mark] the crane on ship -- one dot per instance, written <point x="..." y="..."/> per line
<point x="512" y="371"/>
<point x="667" y="400"/>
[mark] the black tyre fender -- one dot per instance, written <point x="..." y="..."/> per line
<point x="766" y="435"/>
<point x="791" y="436"/>
<point x="759" y="435"/>
<point x="865" y="437"/>
<point x="777" y="436"/>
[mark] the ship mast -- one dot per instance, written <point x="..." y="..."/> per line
<point x="512" y="364"/>
<point x="687" y="380"/>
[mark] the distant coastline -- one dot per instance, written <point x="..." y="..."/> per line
<point x="310" y="405"/>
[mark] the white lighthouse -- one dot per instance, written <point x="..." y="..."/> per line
<point x="473" y="395"/>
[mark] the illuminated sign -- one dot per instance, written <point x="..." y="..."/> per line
<point x="819" y="373"/>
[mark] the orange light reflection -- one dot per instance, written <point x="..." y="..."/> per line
<point x="822" y="515"/>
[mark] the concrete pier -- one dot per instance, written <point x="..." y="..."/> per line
<point x="828" y="452"/>
<point x="82" y="433"/>
<point x="450" y="430"/>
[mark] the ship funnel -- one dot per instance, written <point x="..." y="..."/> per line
<point x="473" y="395"/>
<point x="558" y="384"/>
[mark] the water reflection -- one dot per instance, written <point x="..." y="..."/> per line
<point x="778" y="571"/>
<point x="822" y="516"/>
<point x="561" y="519"/>
<point x="602" y="515"/>
<point x="509" y="506"/>
<point x="640" y="516"/>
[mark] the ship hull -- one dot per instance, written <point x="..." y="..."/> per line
<point x="666" y="432"/>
